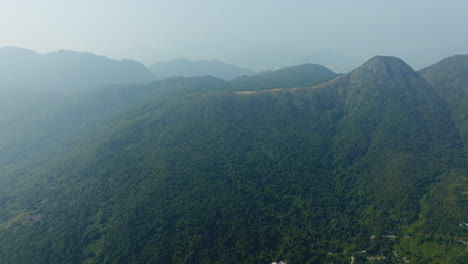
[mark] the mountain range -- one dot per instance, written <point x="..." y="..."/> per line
<point x="299" y="165"/>
<point x="188" y="68"/>
<point x="65" y="71"/>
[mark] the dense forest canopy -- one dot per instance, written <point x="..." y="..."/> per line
<point x="299" y="165"/>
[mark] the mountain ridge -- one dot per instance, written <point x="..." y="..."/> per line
<point x="449" y="78"/>
<point x="66" y="71"/>
<point x="289" y="77"/>
<point x="189" y="68"/>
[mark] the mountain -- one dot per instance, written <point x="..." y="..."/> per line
<point x="369" y="165"/>
<point x="450" y="78"/>
<point x="42" y="120"/>
<point x="36" y="123"/>
<point x="289" y="77"/>
<point x="65" y="71"/>
<point x="189" y="68"/>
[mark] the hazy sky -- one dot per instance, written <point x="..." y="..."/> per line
<point x="250" y="33"/>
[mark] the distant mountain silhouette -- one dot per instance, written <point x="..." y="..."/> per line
<point x="189" y="68"/>
<point x="65" y="71"/>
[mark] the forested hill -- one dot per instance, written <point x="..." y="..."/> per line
<point x="450" y="78"/>
<point x="289" y="77"/>
<point x="35" y="122"/>
<point x="366" y="168"/>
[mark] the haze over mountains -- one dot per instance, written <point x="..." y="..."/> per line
<point x="299" y="164"/>
<point x="50" y="113"/>
<point x="65" y="71"/>
<point x="71" y="72"/>
<point x="189" y="68"/>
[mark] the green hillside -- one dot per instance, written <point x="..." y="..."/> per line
<point x="289" y="77"/>
<point x="450" y="78"/>
<point x="35" y="123"/>
<point x="366" y="168"/>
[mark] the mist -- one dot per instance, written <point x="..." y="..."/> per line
<point x="253" y="34"/>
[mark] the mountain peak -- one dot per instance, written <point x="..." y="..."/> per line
<point x="382" y="68"/>
<point x="387" y="65"/>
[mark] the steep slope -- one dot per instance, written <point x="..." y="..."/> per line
<point x="34" y="121"/>
<point x="450" y="78"/>
<point x="306" y="175"/>
<point x="406" y="141"/>
<point x="189" y="68"/>
<point x="21" y="117"/>
<point x="35" y="124"/>
<point x="65" y="71"/>
<point x="290" y="77"/>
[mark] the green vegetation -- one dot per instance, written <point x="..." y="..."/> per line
<point x="290" y="77"/>
<point x="449" y="78"/>
<point x="369" y="166"/>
